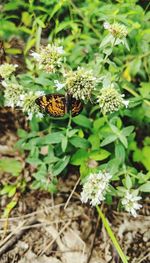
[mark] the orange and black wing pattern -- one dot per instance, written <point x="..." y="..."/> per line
<point x="53" y="104"/>
<point x="76" y="106"/>
<point x="57" y="105"/>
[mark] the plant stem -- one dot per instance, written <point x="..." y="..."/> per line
<point x="111" y="235"/>
<point x="131" y="91"/>
<point x="135" y="94"/>
<point x="38" y="38"/>
<point x="112" y="46"/>
<point x="69" y="124"/>
<point x="86" y="22"/>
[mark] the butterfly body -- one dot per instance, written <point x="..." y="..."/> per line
<point x="57" y="105"/>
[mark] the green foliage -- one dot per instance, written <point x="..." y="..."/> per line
<point x="119" y="142"/>
<point x="10" y="165"/>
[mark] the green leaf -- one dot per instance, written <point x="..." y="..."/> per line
<point x="135" y="66"/>
<point x="40" y="22"/>
<point x="12" y="191"/>
<point x="55" y="9"/>
<point x="26" y="18"/>
<point x="146" y="157"/>
<point x="34" y="161"/>
<point x="98" y="123"/>
<point x="10" y="165"/>
<point x="120" y="152"/>
<point x="11" y="6"/>
<point x="51" y="188"/>
<point x="60" y="165"/>
<point x="29" y="45"/>
<point x="41" y="173"/>
<point x="113" y="166"/>
<point x="82" y="121"/>
<point x="123" y="139"/>
<point x="14" y="51"/>
<point x="9" y="207"/>
<point x="94" y="140"/>
<point x="80" y="156"/>
<point x="6" y="189"/>
<point x="36" y="184"/>
<point x="53" y="138"/>
<point x="143" y="178"/>
<point x="50" y="158"/>
<point x="79" y="142"/>
<point x="145" y="90"/>
<point x="72" y="132"/>
<point x="22" y="133"/>
<point x="145" y="187"/>
<point x="128" y="182"/>
<point x="111" y="138"/>
<point x="108" y="39"/>
<point x="99" y="155"/>
<point x="84" y="170"/>
<point x="108" y="199"/>
<point x="64" y="143"/>
<point x="127" y="131"/>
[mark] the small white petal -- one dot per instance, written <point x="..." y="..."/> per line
<point x="106" y="25"/>
<point x="36" y="56"/>
<point x="60" y="50"/>
<point x="126" y="103"/>
<point x="4" y="83"/>
<point x="59" y="85"/>
<point x="40" y="93"/>
<point x="130" y="203"/>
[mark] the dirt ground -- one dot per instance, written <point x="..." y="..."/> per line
<point x="45" y="228"/>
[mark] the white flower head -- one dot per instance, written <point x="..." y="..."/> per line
<point x="110" y="100"/>
<point x="130" y="203"/>
<point x="7" y="69"/>
<point x="49" y="57"/>
<point x="80" y="83"/>
<point x="116" y="29"/>
<point x="12" y="93"/>
<point x="94" y="189"/>
<point x="28" y="104"/>
<point x="59" y="85"/>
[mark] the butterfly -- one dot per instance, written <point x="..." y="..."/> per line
<point x="57" y="105"/>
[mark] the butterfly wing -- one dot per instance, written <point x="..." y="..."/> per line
<point x="76" y="106"/>
<point x="53" y="104"/>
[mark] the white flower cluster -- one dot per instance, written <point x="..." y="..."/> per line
<point x="130" y="203"/>
<point x="7" y="69"/>
<point x="15" y="96"/>
<point x="116" y="29"/>
<point x="28" y="105"/>
<point x="12" y="93"/>
<point x="95" y="188"/>
<point x="110" y="100"/>
<point x="49" y="57"/>
<point x="80" y="83"/>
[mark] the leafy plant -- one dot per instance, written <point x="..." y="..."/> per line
<point x="110" y="138"/>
